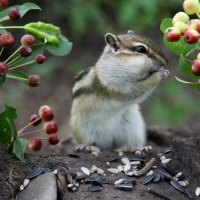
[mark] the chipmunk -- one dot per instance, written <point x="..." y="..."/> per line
<point x="105" y="110"/>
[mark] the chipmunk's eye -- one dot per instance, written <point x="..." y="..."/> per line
<point x="140" y="49"/>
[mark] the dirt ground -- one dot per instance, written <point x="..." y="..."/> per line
<point x="185" y="158"/>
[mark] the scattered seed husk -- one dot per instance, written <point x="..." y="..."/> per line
<point x="162" y="157"/>
<point x="37" y="171"/>
<point x="113" y="159"/>
<point x="150" y="172"/>
<point x="167" y="151"/>
<point x="85" y="170"/>
<point x="120" y="168"/>
<point x="100" y="172"/>
<point x="179" y="174"/>
<point x="177" y="186"/>
<point x="93" y="169"/>
<point x="88" y="180"/>
<point x="127" y="167"/>
<point x="26" y="182"/>
<point x="197" y="191"/>
<point x="125" y="186"/>
<point x="105" y="180"/>
<point x="113" y="170"/>
<point x="135" y="162"/>
<point x="72" y="155"/>
<point x="164" y="173"/>
<point x="170" y="169"/>
<point x="125" y="160"/>
<point x="190" y="194"/>
<point x="131" y="173"/>
<point x="157" y="178"/>
<point x="137" y="158"/>
<point x="108" y="163"/>
<point x="94" y="188"/>
<point x="165" y="161"/>
<point x="182" y="183"/>
<point x="95" y="182"/>
<point x="55" y="171"/>
<point x="148" y="178"/>
<point x="70" y="185"/>
<point x="21" y="187"/>
<point x="120" y="181"/>
<point x="80" y="176"/>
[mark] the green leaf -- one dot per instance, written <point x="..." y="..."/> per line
<point x="2" y="29"/>
<point x="185" y="67"/>
<point x="2" y="80"/>
<point x="180" y="47"/>
<point x="190" y="84"/>
<point x="62" y="48"/>
<point x="166" y="23"/>
<point x="19" y="148"/>
<point x="7" y="126"/>
<point x="23" y="9"/>
<point x="18" y="76"/>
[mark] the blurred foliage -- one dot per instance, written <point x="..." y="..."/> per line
<point x="85" y="22"/>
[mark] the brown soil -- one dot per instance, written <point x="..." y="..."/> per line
<point x="185" y="157"/>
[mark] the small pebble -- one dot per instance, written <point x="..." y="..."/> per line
<point x="197" y="191"/>
<point x="85" y="170"/>
<point x="120" y="181"/>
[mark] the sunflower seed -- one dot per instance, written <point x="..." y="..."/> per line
<point x="127" y="167"/>
<point x="170" y="169"/>
<point x="197" y="191"/>
<point x="120" y="181"/>
<point x="21" y="187"/>
<point x="165" y="161"/>
<point x="105" y="180"/>
<point x="177" y="186"/>
<point x="137" y="158"/>
<point x="37" y="171"/>
<point x="93" y="169"/>
<point x="26" y="182"/>
<point x="148" y="178"/>
<point x="125" y="186"/>
<point x="182" y="183"/>
<point x="157" y="178"/>
<point x="120" y="168"/>
<point x="150" y="172"/>
<point x="71" y="185"/>
<point x="108" y="163"/>
<point x="179" y="174"/>
<point x="135" y="163"/>
<point x="162" y="158"/>
<point x="80" y="176"/>
<point x="95" y="188"/>
<point x="113" y="170"/>
<point x="125" y="160"/>
<point x="131" y="173"/>
<point x="190" y="194"/>
<point x="164" y="173"/>
<point x="55" y="171"/>
<point x="100" y="172"/>
<point x="85" y="170"/>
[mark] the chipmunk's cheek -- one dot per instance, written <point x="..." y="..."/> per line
<point x="147" y="75"/>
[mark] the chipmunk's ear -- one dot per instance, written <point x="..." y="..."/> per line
<point x="130" y="32"/>
<point x="112" y="40"/>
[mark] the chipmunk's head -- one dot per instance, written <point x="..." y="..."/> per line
<point x="127" y="59"/>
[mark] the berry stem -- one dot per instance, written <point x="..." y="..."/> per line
<point x="14" y="53"/>
<point x="12" y="27"/>
<point x="22" y="65"/>
<point x="14" y="60"/>
<point x="17" y="78"/>
<point x="1" y="50"/>
<point x="30" y="132"/>
<point x="29" y="124"/>
<point x="37" y="138"/>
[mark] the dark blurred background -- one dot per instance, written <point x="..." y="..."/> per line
<point x="85" y="23"/>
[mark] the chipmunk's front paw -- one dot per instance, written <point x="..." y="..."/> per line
<point x="88" y="149"/>
<point x="163" y="73"/>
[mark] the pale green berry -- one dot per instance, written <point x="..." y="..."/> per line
<point x="181" y="26"/>
<point x="198" y="56"/>
<point x="191" y="6"/>
<point x="180" y="17"/>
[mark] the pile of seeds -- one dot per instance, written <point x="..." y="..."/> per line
<point x="138" y="164"/>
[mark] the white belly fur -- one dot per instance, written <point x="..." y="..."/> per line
<point x="107" y="123"/>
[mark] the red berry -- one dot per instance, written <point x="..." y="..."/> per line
<point x="6" y="40"/>
<point x="173" y="34"/>
<point x="3" y="69"/>
<point x="34" y="80"/>
<point x="33" y="118"/>
<point x="191" y="36"/>
<point x="53" y="139"/>
<point x="14" y="14"/>
<point x="193" y="24"/>
<point x="46" y="113"/>
<point x="25" y="51"/>
<point x="28" y="40"/>
<point x="40" y="58"/>
<point x="3" y="3"/>
<point x="50" y="127"/>
<point x="196" y="67"/>
<point x="191" y="6"/>
<point x="35" y="144"/>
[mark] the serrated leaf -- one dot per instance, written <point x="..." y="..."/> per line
<point x="185" y="67"/>
<point x="18" y="76"/>
<point x="7" y="126"/>
<point x="190" y="84"/>
<point x="166" y="23"/>
<point x="180" y="47"/>
<point x="36" y="49"/>
<point x="23" y="9"/>
<point x="63" y="47"/>
<point x="19" y="148"/>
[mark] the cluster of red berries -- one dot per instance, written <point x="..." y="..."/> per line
<point x="49" y="126"/>
<point x="183" y="26"/>
<point x="7" y="40"/>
